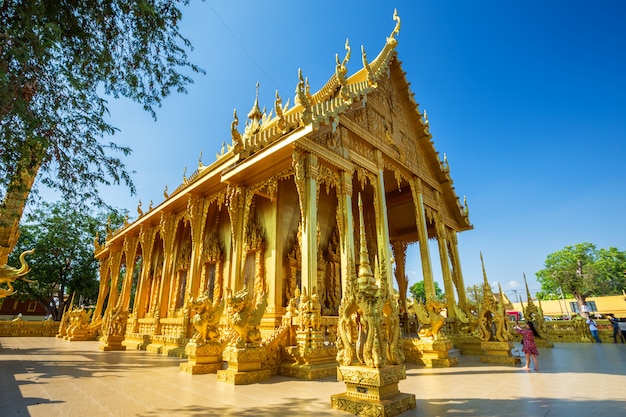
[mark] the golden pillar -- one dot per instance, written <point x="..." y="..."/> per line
<point x="422" y="235"/>
<point x="274" y="258"/>
<point x="197" y="210"/>
<point x="306" y="185"/>
<point x="445" y="265"/>
<point x="309" y="227"/>
<point x="130" y="254"/>
<point x="346" y="229"/>
<point x="105" y="280"/>
<point x="382" y="222"/>
<point x="236" y="203"/>
<point x="146" y="238"/>
<point x="116" y="264"/>
<point x="457" y="274"/>
<point x="167" y="230"/>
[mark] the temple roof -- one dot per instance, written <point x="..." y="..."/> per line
<point x="266" y="146"/>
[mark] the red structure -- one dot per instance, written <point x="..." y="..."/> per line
<point x="12" y="306"/>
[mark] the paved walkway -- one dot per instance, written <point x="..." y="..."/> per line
<point x="43" y="377"/>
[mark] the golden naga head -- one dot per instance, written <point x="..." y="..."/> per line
<point x="10" y="274"/>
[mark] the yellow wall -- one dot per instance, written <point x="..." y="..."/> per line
<point x="615" y="304"/>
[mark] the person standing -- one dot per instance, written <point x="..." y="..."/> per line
<point x="622" y="328"/>
<point x="615" y="324"/>
<point x="529" y="347"/>
<point x="593" y="328"/>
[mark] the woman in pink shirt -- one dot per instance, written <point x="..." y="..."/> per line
<point x="529" y="347"/>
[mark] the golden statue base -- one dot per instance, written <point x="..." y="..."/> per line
<point x="80" y="335"/>
<point x="499" y="353"/>
<point x="111" y="343"/>
<point x="170" y="346"/>
<point x="244" y="366"/>
<point x="468" y="345"/>
<point x="136" y="341"/>
<point x="372" y="391"/>
<point x="310" y="358"/>
<point x="436" y="353"/>
<point x="203" y="359"/>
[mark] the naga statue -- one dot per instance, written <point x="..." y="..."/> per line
<point x="206" y="319"/>
<point x="9" y="274"/>
<point x="468" y="321"/>
<point x="244" y="315"/>
<point x="430" y="319"/>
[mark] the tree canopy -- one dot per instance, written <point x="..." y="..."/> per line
<point x="63" y="263"/>
<point x="583" y="270"/>
<point x="59" y="59"/>
<point x="418" y="292"/>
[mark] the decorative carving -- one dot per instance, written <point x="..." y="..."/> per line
<point x="244" y="315"/>
<point x="492" y="320"/>
<point x="9" y="274"/>
<point x="206" y="318"/>
<point x="369" y="311"/>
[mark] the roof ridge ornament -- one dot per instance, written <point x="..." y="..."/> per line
<point x="303" y="97"/>
<point x="341" y="70"/>
<point x="370" y="74"/>
<point x="391" y="40"/>
<point x="234" y="133"/>
<point x="255" y="112"/>
<point x="278" y="108"/>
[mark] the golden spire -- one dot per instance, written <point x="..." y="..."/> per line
<point x="255" y="112"/>
<point x="487" y="288"/>
<point x="527" y="290"/>
<point x="366" y="279"/>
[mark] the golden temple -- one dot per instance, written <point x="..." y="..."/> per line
<point x="281" y="256"/>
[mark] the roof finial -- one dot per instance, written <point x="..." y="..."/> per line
<point x="366" y="65"/>
<point x="391" y="39"/>
<point x="234" y="133"/>
<point x="255" y="112"/>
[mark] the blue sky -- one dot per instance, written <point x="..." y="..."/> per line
<point x="527" y="99"/>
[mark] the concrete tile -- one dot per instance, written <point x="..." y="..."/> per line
<point x="40" y="377"/>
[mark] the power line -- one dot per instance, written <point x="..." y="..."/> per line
<point x="245" y="51"/>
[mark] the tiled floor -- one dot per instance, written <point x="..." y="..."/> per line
<point x="49" y="377"/>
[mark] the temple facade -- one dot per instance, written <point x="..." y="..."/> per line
<point x="271" y="228"/>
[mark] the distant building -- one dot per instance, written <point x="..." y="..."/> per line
<point x="615" y="304"/>
<point x="11" y="306"/>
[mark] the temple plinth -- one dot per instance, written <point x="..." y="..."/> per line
<point x="312" y="359"/>
<point x="372" y="391"/>
<point x="203" y="358"/>
<point x="112" y="343"/>
<point x="244" y="366"/>
<point x="499" y="353"/>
